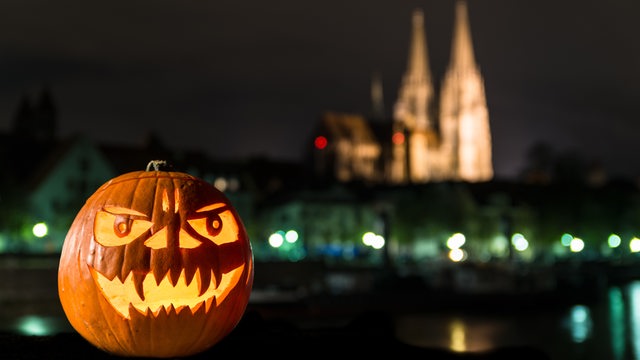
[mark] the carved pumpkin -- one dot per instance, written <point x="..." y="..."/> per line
<point x="155" y="264"/>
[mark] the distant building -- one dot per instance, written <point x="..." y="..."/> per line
<point x="46" y="183"/>
<point x="350" y="150"/>
<point x="36" y="120"/>
<point x="426" y="141"/>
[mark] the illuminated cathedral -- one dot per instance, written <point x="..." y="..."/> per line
<point x="430" y="138"/>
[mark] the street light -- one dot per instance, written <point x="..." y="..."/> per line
<point x="40" y="230"/>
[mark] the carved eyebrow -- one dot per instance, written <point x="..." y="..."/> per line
<point x="116" y="210"/>
<point x="211" y="207"/>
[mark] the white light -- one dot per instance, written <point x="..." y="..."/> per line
<point x="368" y="238"/>
<point x="634" y="244"/>
<point x="576" y="245"/>
<point x="455" y="241"/>
<point x="519" y="242"/>
<point x="40" y="229"/>
<point x="378" y="242"/>
<point x="291" y="236"/>
<point x="220" y="184"/>
<point x="457" y="254"/>
<point x="276" y="240"/>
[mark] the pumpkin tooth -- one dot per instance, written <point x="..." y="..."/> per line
<point x="198" y="308"/>
<point x="121" y="276"/>
<point x="169" y="309"/>
<point x="217" y="275"/>
<point x="138" y="283"/>
<point x="210" y="301"/>
<point x="174" y="275"/>
<point x="159" y="273"/>
<point x="205" y="281"/>
<point x="189" y="273"/>
<point x="180" y="308"/>
<point x="134" y="310"/>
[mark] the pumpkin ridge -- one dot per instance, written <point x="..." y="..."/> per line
<point x="125" y="266"/>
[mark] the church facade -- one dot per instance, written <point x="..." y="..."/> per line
<point x="431" y="137"/>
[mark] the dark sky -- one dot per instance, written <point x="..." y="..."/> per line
<point x="241" y="78"/>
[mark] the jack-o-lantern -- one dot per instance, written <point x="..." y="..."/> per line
<point x="155" y="264"/>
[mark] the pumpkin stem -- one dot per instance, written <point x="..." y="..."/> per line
<point x="156" y="164"/>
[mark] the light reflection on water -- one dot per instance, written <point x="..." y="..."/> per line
<point x="579" y="323"/>
<point x="634" y="318"/>
<point x="616" y="322"/>
<point x="36" y="325"/>
<point x="609" y="329"/>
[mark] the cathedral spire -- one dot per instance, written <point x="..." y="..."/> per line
<point x="413" y="113"/>
<point x="418" y="66"/>
<point x="415" y="101"/>
<point x="464" y="118"/>
<point x="462" y="48"/>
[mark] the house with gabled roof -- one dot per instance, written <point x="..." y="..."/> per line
<point x="46" y="182"/>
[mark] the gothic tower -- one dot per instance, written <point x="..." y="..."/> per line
<point x="413" y="113"/>
<point x="433" y="138"/>
<point x="464" y="118"/>
<point x="455" y="143"/>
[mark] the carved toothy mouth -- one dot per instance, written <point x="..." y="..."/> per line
<point x="164" y="295"/>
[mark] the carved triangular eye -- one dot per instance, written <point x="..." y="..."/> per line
<point x="115" y="226"/>
<point x="209" y="225"/>
<point x="218" y="225"/>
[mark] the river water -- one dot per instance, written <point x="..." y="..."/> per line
<point x="608" y="329"/>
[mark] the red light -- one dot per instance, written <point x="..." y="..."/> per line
<point x="397" y="138"/>
<point x="320" y="142"/>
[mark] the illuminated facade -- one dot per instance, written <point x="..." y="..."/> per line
<point x="352" y="153"/>
<point x="451" y="141"/>
<point x="425" y="141"/>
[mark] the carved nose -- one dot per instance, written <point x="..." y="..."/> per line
<point x="166" y="238"/>
<point x="158" y="240"/>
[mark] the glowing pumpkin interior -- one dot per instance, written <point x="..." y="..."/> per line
<point x="150" y="292"/>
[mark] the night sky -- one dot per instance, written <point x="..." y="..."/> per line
<point x="244" y="78"/>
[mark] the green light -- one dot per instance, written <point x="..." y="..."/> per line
<point x="33" y="325"/>
<point x="614" y="241"/>
<point x="566" y="239"/>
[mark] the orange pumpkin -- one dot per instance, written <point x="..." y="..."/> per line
<point x="155" y="264"/>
